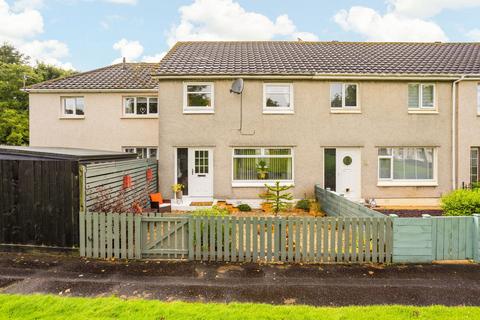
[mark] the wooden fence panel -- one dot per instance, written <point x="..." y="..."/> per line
<point x="338" y="206"/>
<point x="261" y="239"/>
<point x="39" y="203"/>
<point x="109" y="235"/>
<point x="476" y="237"/>
<point x="103" y="183"/>
<point x="230" y="239"/>
<point x="434" y="238"/>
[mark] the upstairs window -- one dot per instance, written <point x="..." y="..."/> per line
<point x="421" y="96"/>
<point x="142" y="152"/>
<point x="73" y="107"/>
<point x="343" y="96"/>
<point x="198" y="97"/>
<point x="140" y="106"/>
<point x="277" y="98"/>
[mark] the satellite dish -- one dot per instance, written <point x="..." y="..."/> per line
<point x="237" y="86"/>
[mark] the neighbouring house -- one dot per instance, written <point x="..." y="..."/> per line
<point x="397" y="122"/>
<point x="113" y="108"/>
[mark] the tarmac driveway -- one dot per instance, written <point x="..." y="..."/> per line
<point x="457" y="284"/>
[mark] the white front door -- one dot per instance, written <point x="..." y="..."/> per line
<point x="349" y="165"/>
<point x="200" y="170"/>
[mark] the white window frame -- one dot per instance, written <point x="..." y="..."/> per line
<point x="344" y="108"/>
<point x="64" y="115"/>
<point x="199" y="110"/>
<point x="134" y="150"/>
<point x="421" y="108"/>
<point x="391" y="182"/>
<point x="277" y="110"/>
<point x="134" y="114"/>
<point x="261" y="183"/>
<point x="477" y="151"/>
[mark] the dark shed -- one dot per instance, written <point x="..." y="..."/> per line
<point x="39" y="193"/>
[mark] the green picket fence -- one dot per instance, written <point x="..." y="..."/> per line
<point x="232" y="239"/>
<point x="268" y="239"/>
<point x="110" y="235"/>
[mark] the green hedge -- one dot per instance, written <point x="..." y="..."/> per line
<point x="461" y="202"/>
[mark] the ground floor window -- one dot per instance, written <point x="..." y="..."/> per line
<point x="474" y="159"/>
<point x="261" y="165"/>
<point x="415" y="164"/>
<point x="143" y="152"/>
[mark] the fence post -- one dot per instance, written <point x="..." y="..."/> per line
<point x="434" y="235"/>
<point x="138" y="236"/>
<point x="476" y="237"/>
<point x="190" y="238"/>
<point x="81" y="184"/>
<point x="389" y="238"/>
<point x="82" y="233"/>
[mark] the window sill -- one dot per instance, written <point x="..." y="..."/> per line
<point x="72" y="118"/>
<point x="190" y="111"/>
<point x="407" y="184"/>
<point x="139" y="117"/>
<point x="427" y="111"/>
<point x="281" y="111"/>
<point x="255" y="184"/>
<point x="345" y="110"/>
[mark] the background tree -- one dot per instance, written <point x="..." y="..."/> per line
<point x="15" y="73"/>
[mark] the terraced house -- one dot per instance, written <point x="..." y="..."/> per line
<point x="397" y="122"/>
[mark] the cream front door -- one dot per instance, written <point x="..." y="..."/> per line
<point x="200" y="168"/>
<point x="348" y="170"/>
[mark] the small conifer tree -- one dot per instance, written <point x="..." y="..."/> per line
<point x="277" y="196"/>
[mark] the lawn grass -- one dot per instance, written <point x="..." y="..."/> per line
<point x="53" y="307"/>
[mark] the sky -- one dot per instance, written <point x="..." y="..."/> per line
<point x="88" y="34"/>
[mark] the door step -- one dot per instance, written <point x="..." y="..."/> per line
<point x="201" y="203"/>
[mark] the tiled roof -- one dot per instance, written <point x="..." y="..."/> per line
<point x="128" y="76"/>
<point x="307" y="58"/>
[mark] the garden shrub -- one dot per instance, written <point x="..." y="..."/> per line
<point x="213" y="211"/>
<point x="244" y="207"/>
<point x="303" y="205"/>
<point x="461" y="202"/>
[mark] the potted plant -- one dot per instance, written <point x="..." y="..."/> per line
<point x="178" y="191"/>
<point x="262" y="172"/>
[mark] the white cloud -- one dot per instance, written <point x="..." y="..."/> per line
<point x="21" y="5"/>
<point x="49" y="51"/>
<point x="21" y="23"/>
<point x="154" y="58"/>
<point x="474" y="34"/>
<point x="15" y="26"/>
<point x="132" y="2"/>
<point x="227" y="20"/>
<point x="388" y="27"/>
<point x="429" y="8"/>
<point x="107" y="22"/>
<point x="130" y="50"/>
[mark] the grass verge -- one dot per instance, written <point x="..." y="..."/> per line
<point x="53" y="307"/>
